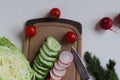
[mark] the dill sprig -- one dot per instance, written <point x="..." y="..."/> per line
<point x="97" y="70"/>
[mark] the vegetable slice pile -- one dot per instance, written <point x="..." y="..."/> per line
<point x="61" y="65"/>
<point x="13" y="64"/>
<point x="46" y="57"/>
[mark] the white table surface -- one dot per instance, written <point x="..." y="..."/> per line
<point x="105" y="44"/>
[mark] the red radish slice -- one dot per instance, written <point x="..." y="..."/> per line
<point x="48" y="78"/>
<point x="58" y="67"/>
<point x="51" y="78"/>
<point x="59" y="73"/>
<point x="63" y="65"/>
<point x="66" y="57"/>
<point x="54" y="77"/>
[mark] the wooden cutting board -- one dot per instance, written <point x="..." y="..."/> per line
<point x="56" y="28"/>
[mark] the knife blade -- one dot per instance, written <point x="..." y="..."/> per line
<point x="79" y="65"/>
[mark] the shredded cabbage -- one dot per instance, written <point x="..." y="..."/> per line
<point x="13" y="64"/>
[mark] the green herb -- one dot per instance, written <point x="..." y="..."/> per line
<point x="97" y="70"/>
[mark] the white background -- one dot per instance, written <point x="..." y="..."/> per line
<point x="104" y="44"/>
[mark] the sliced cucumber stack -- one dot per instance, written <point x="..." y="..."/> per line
<point x="49" y="52"/>
<point x="39" y="71"/>
<point x="39" y="67"/>
<point x="46" y="57"/>
<point x="53" y="44"/>
<point x="44" y="62"/>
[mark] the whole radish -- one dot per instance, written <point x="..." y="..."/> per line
<point x="118" y="19"/>
<point x="106" y="23"/>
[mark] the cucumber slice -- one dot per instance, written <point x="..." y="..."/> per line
<point x="48" y="51"/>
<point x="33" y="77"/>
<point x="53" y="44"/>
<point x="44" y="74"/>
<point x="40" y="63"/>
<point x="40" y="67"/>
<point x="44" y="62"/>
<point x="39" y="77"/>
<point x="46" y="57"/>
<point x="37" y="61"/>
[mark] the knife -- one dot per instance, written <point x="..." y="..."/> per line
<point x="79" y="65"/>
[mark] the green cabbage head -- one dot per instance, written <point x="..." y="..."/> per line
<point x="13" y="64"/>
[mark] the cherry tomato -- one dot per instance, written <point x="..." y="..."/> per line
<point x="30" y="31"/>
<point x="71" y="36"/>
<point x="55" y="13"/>
<point x="106" y="23"/>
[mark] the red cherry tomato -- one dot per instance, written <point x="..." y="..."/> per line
<point x="71" y="36"/>
<point x="30" y="31"/>
<point x="55" y="13"/>
<point x="106" y="23"/>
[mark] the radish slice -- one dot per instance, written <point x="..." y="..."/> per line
<point x="53" y="76"/>
<point x="66" y="57"/>
<point x="58" y="67"/>
<point x="63" y="65"/>
<point x="50" y="78"/>
<point x="59" y="73"/>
